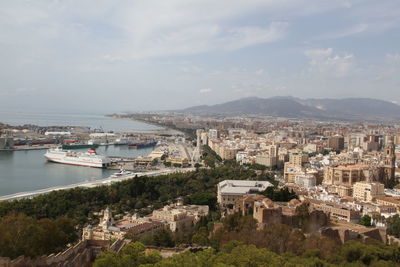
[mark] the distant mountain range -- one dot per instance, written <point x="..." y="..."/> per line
<point x="348" y="109"/>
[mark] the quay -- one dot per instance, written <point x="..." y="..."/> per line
<point x="26" y="147"/>
<point x="101" y="182"/>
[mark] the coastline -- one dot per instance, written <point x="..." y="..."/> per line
<point x="24" y="148"/>
<point x="161" y="126"/>
<point x="101" y="182"/>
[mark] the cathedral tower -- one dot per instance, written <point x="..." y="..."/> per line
<point x="389" y="163"/>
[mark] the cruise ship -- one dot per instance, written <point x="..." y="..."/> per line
<point x="89" y="158"/>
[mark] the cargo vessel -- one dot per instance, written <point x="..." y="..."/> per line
<point x="78" y="146"/>
<point x="88" y="159"/>
<point x="143" y="144"/>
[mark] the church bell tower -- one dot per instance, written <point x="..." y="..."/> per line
<point x="389" y="162"/>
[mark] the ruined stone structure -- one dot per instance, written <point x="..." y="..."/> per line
<point x="80" y="255"/>
<point x="363" y="234"/>
<point x="268" y="213"/>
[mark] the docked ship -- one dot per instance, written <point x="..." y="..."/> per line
<point x="79" y="146"/>
<point x="143" y="144"/>
<point x="89" y="158"/>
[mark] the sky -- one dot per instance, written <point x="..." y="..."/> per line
<point x="115" y="55"/>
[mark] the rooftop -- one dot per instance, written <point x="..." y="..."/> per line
<point x="242" y="186"/>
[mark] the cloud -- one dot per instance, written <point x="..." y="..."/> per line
<point x="24" y="90"/>
<point x="259" y="71"/>
<point x="205" y="90"/>
<point x="87" y="47"/>
<point x="393" y="58"/>
<point x="323" y="62"/>
<point x="195" y="39"/>
<point x="317" y="54"/>
<point x="249" y="36"/>
<point x="21" y="91"/>
<point x="111" y="58"/>
<point x="191" y="68"/>
<point x="353" y="30"/>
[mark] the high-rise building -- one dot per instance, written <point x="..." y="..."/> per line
<point x="198" y="135"/>
<point x="298" y="159"/>
<point x="266" y="160"/>
<point x="213" y="134"/>
<point x="273" y="150"/>
<point x="336" y="142"/>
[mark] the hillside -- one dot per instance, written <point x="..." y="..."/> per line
<point x="355" y="109"/>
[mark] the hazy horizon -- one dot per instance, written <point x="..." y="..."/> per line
<point x="115" y="56"/>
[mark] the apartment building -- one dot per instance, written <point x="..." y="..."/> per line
<point x="336" y="142"/>
<point x="305" y="180"/>
<point x="335" y="211"/>
<point x="367" y="191"/>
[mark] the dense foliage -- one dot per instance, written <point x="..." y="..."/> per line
<point x="238" y="254"/>
<point x="160" y="238"/>
<point x="24" y="235"/>
<point x="280" y="195"/>
<point x="141" y="194"/>
<point x="278" y="244"/>
<point x="131" y="255"/>
<point x="210" y="157"/>
<point x="366" y="220"/>
<point x="393" y="226"/>
<point x="278" y="238"/>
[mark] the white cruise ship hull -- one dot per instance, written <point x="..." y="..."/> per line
<point x="76" y="162"/>
<point x="78" y="159"/>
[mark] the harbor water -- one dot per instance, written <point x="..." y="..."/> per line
<point x="22" y="171"/>
<point x="94" y="121"/>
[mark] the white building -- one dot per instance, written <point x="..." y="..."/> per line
<point x="229" y="191"/>
<point x="58" y="133"/>
<point x="266" y="160"/>
<point x="305" y="180"/>
<point x="198" y="135"/>
<point x="213" y="134"/>
<point x="310" y="148"/>
<point x="241" y="155"/>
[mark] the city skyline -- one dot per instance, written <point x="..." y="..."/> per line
<point x="98" y="55"/>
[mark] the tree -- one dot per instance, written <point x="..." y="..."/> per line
<point x="197" y="166"/>
<point x="24" y="235"/>
<point x="132" y="254"/>
<point x="163" y="238"/>
<point x="281" y="195"/>
<point x="204" y="198"/>
<point x="256" y="166"/>
<point x="365" y="220"/>
<point x="108" y="258"/>
<point x="393" y="226"/>
<point x="167" y="163"/>
<point x="209" y="161"/>
<point x="201" y="237"/>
